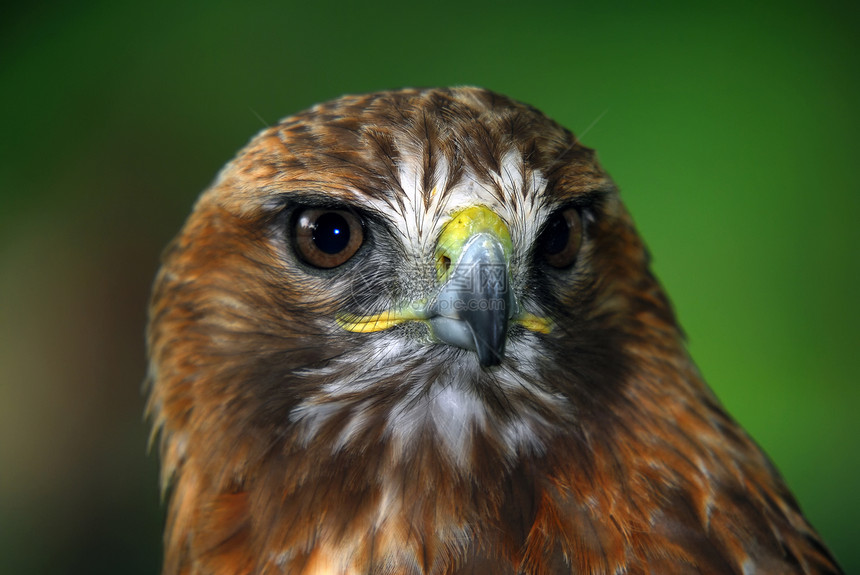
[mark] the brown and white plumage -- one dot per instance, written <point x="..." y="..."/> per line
<point x="292" y="443"/>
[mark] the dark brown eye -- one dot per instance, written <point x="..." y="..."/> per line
<point x="327" y="238"/>
<point x="561" y="238"/>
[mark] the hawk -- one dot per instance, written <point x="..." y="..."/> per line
<point x="416" y="332"/>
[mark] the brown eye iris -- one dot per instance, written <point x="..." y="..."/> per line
<point x="562" y="238"/>
<point x="327" y="238"/>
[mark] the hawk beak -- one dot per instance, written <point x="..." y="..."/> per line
<point x="475" y="303"/>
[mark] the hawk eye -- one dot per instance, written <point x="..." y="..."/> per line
<point x="327" y="238"/>
<point x="561" y="238"/>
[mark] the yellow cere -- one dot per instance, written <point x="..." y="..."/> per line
<point x="464" y="225"/>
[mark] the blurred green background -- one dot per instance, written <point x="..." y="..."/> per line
<point x="732" y="131"/>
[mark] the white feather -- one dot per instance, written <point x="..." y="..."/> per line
<point x="446" y="406"/>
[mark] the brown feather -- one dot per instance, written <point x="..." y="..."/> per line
<point x="635" y="466"/>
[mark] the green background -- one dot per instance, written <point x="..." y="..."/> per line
<point x="732" y="131"/>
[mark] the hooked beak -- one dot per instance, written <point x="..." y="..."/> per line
<point x="474" y="304"/>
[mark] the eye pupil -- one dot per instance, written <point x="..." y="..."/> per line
<point x="556" y="235"/>
<point x="326" y="238"/>
<point x="331" y="233"/>
<point x="561" y="238"/>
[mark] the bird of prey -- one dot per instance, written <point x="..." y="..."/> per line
<point x="416" y="332"/>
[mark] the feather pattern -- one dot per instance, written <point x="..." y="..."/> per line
<point x="289" y="445"/>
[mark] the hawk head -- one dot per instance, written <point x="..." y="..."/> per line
<point x="416" y="332"/>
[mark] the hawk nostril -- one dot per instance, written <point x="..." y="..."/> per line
<point x="443" y="266"/>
